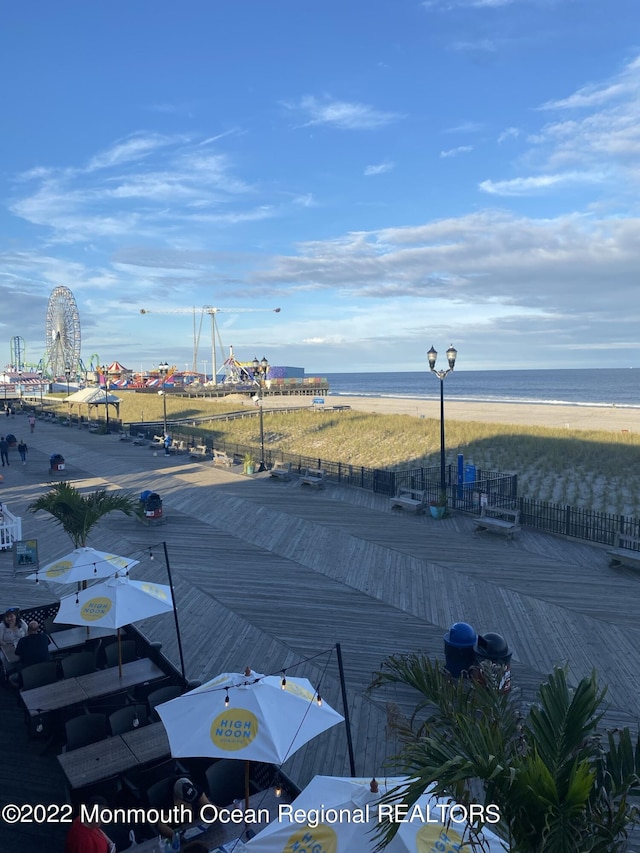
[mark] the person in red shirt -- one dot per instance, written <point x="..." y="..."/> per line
<point x="88" y="837"/>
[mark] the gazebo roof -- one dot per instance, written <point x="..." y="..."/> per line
<point x="92" y="397"/>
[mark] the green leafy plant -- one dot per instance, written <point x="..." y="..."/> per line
<point x="77" y="514"/>
<point x="441" y="500"/>
<point x="560" y="783"/>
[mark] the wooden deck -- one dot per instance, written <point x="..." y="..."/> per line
<point x="268" y="573"/>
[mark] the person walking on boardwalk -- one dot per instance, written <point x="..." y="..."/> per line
<point x="32" y="422"/>
<point x="22" y="450"/>
<point x="4" y="450"/>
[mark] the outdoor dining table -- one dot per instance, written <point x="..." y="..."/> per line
<point x="148" y="743"/>
<point x="78" y="636"/>
<point x="71" y="691"/>
<point x="221" y="833"/>
<point x="97" y="761"/>
<point x="105" y="681"/>
<point x="51" y="697"/>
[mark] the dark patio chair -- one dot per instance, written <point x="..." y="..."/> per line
<point x="80" y="663"/>
<point x="128" y="651"/>
<point x="85" y="729"/>
<point x="164" y="694"/>
<point x="127" y="719"/>
<point x="39" y="674"/>
<point x="225" y="782"/>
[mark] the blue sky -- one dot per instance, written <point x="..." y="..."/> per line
<point x="391" y="174"/>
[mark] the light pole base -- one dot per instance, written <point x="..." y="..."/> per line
<point x="261" y="467"/>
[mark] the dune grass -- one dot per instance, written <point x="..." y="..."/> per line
<point x="591" y="469"/>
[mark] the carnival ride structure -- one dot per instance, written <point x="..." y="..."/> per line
<point x="197" y="328"/>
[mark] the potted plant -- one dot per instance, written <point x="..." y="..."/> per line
<point x="249" y="463"/>
<point x="438" y="506"/>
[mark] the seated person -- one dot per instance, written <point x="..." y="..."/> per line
<point x="88" y="837"/>
<point x="185" y="793"/>
<point x="13" y="628"/>
<point x="34" y="648"/>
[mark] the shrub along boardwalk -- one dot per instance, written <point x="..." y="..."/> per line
<point x="268" y="573"/>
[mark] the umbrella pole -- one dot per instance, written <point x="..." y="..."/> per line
<point x="119" y="655"/>
<point x="175" y="610"/>
<point x="345" y="708"/>
<point x="247" y="773"/>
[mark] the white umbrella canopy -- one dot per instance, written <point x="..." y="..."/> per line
<point x="262" y="722"/>
<point x="82" y="564"/>
<point x="116" y="602"/>
<point x="348" y="812"/>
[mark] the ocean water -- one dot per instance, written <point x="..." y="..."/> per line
<point x="604" y="387"/>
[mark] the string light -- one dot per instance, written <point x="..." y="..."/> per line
<point x="95" y="569"/>
<point x="226" y="698"/>
<point x="277" y="788"/>
<point x="136" y="720"/>
<point x="318" y="700"/>
<point x="151" y="557"/>
<point x="283" y="683"/>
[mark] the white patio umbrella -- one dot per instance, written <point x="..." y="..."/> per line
<point x="114" y="603"/>
<point x="82" y="564"/>
<point x="252" y="717"/>
<point x="348" y="812"/>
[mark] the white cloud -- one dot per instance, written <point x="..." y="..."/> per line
<point x="342" y="114"/>
<point x="453" y="152"/>
<point x="136" y="147"/>
<point x="448" y="5"/>
<point x="508" y="133"/>
<point x="379" y="168"/>
<point x="526" y="186"/>
<point x="465" y="127"/>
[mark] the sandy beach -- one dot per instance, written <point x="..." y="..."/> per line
<point x="607" y="418"/>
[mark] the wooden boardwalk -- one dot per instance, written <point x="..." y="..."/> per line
<point x="269" y="573"/>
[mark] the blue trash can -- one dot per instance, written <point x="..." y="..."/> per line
<point x="459" y="648"/>
<point x="493" y="651"/>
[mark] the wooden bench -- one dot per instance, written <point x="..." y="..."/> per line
<point x="158" y="441"/>
<point x="413" y="499"/>
<point x="140" y="440"/>
<point x="199" y="451"/>
<point x="281" y="471"/>
<point x="312" y="477"/>
<point x="499" y="520"/>
<point x="221" y="458"/>
<point x="625" y="551"/>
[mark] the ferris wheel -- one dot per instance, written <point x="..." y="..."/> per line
<point x="62" y="332"/>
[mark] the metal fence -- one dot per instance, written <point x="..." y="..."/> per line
<point x="501" y="490"/>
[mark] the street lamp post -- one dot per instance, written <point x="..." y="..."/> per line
<point x="260" y="370"/>
<point x="106" y="395"/>
<point x="67" y="373"/>
<point x="41" y="377"/>
<point x="442" y="375"/>
<point x="163" y="369"/>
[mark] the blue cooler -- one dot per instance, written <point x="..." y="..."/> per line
<point x="459" y="648"/>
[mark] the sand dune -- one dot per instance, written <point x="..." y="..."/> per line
<point x="609" y="418"/>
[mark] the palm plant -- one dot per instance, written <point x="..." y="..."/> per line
<point x="78" y="514"/>
<point x="561" y="785"/>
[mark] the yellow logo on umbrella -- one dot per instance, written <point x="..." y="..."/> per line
<point x="299" y="690"/>
<point x="234" y="729"/>
<point x="154" y="590"/>
<point x="95" y="608"/>
<point x="59" y="568"/>
<point x="322" y="839"/>
<point x="437" y="839"/>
